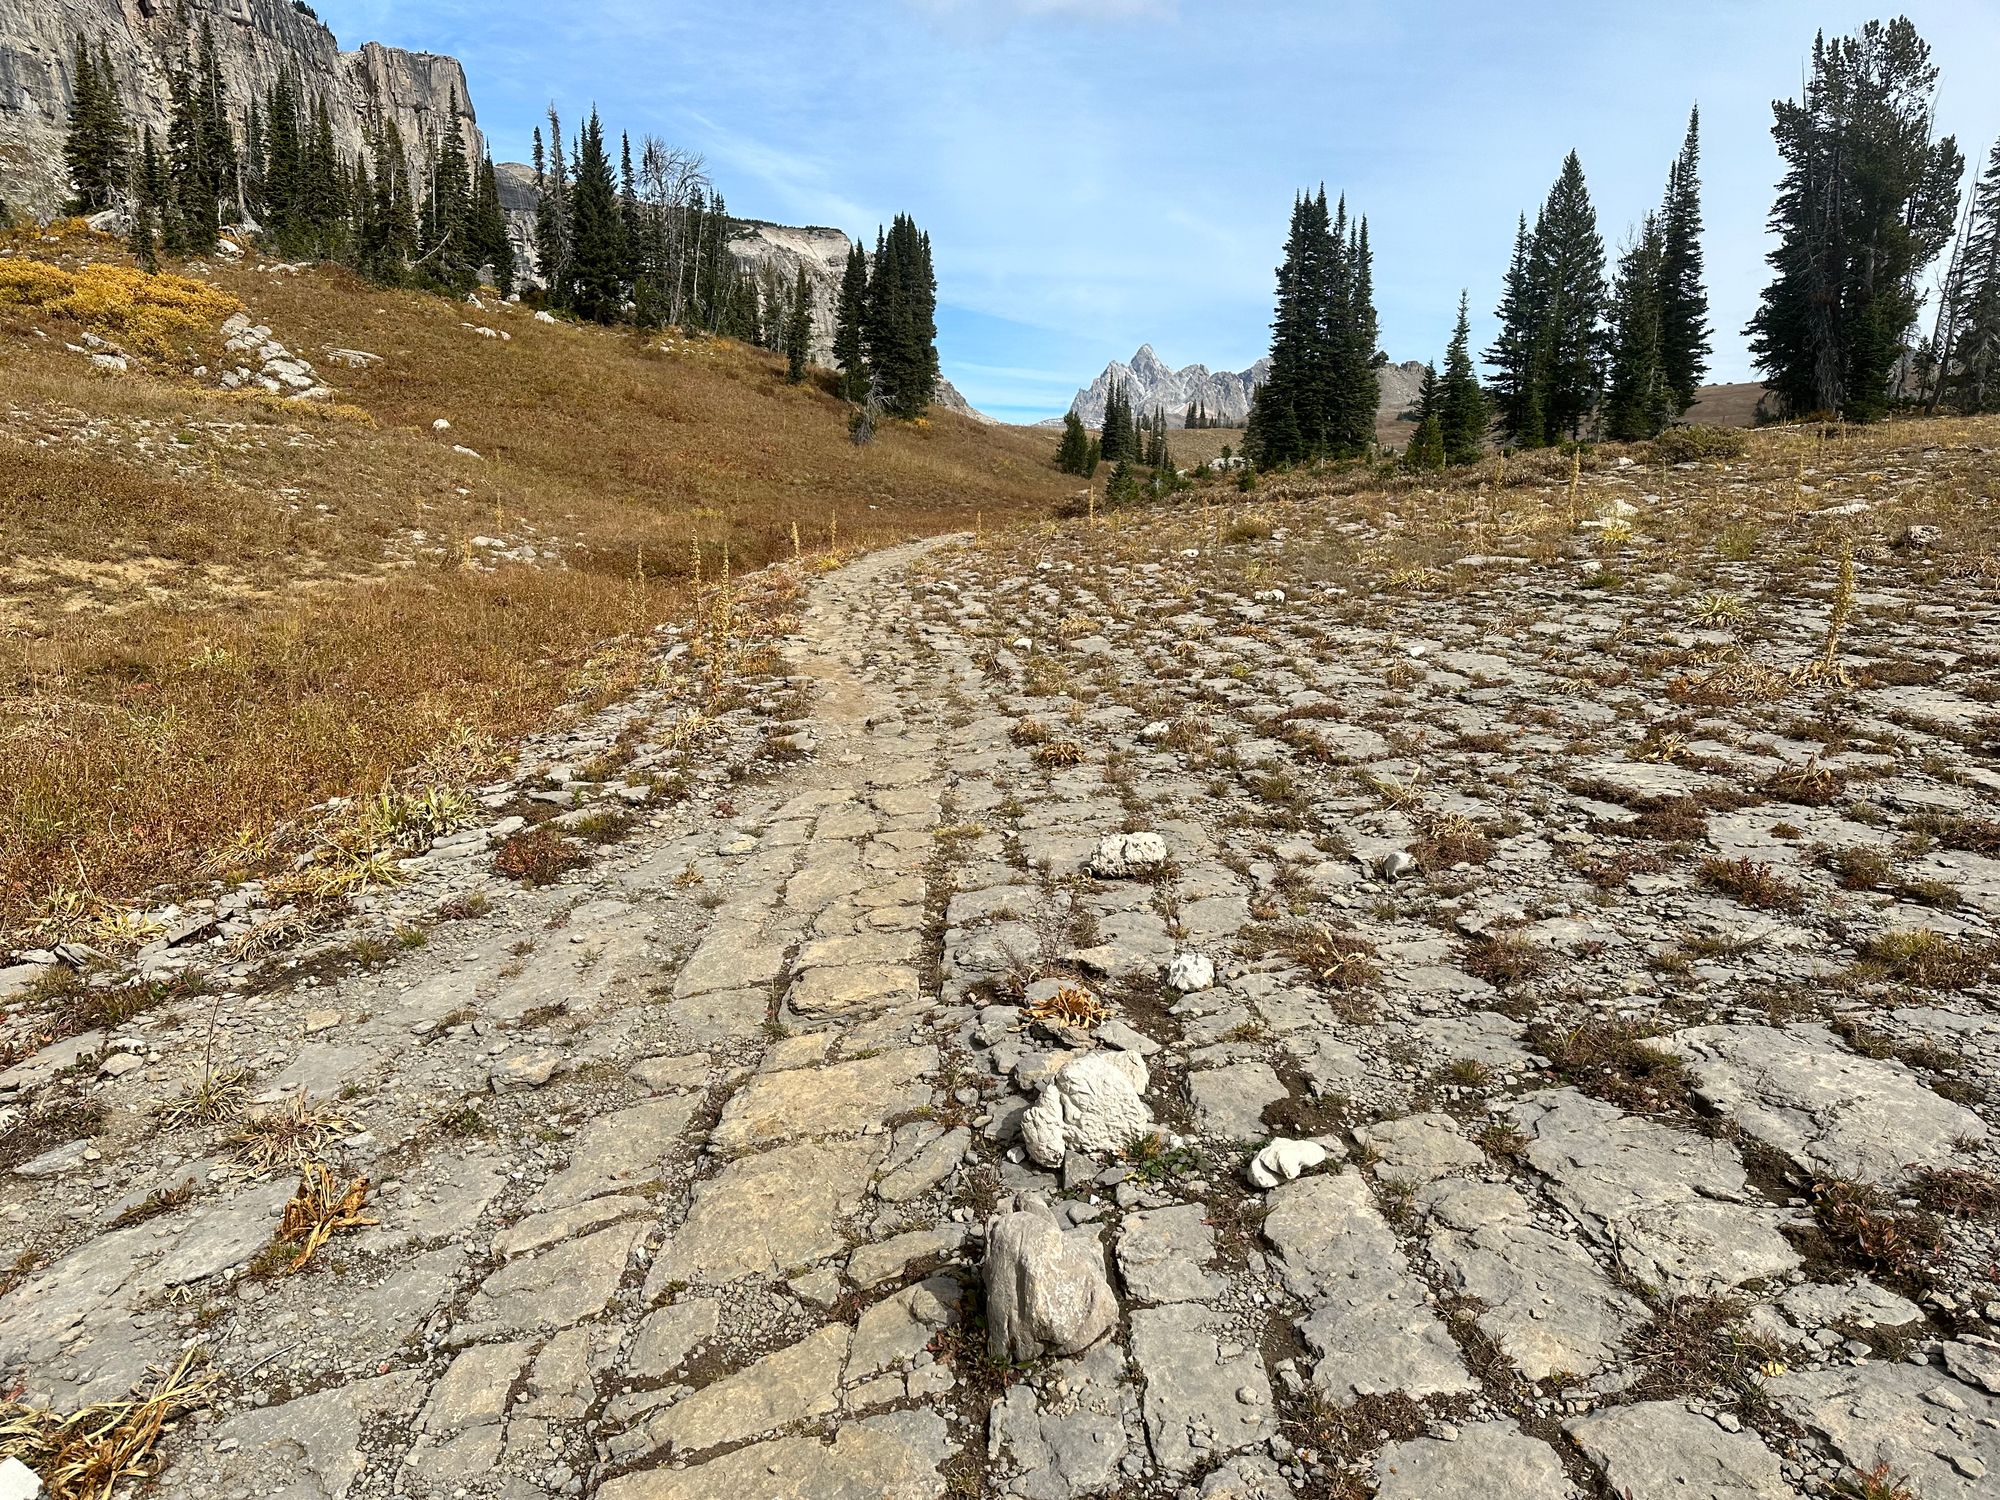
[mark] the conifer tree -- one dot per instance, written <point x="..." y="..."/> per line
<point x="97" y="148"/>
<point x="1512" y="354"/>
<point x="490" y="244"/>
<point x="1073" y="452"/>
<point x="900" y="331"/>
<point x="1970" y="375"/>
<point x="1461" y="404"/>
<point x="1867" y="201"/>
<point x="849" y="349"/>
<point x="1569" y="257"/>
<point x="798" y="329"/>
<point x="595" y="287"/>
<point x="1426" y="450"/>
<point x="1639" y="399"/>
<point x="1321" y="395"/>
<point x="1683" y="294"/>
<point x="552" y="213"/>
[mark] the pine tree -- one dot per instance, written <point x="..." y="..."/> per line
<point x="1073" y="453"/>
<point x="1971" y="367"/>
<point x="1321" y="396"/>
<point x="1867" y="201"/>
<point x="1683" y="295"/>
<point x="900" y="331"/>
<point x="490" y="244"/>
<point x="1461" y="405"/>
<point x="552" y="213"/>
<point x="849" y="350"/>
<point x="798" y="329"/>
<point x="97" y="148"/>
<point x="148" y="194"/>
<point x="1512" y="354"/>
<point x="1569" y="257"/>
<point x="595" y="287"/>
<point x="1426" y="450"/>
<point x="1640" y="399"/>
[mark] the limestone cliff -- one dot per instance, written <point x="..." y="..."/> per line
<point x="253" y="39"/>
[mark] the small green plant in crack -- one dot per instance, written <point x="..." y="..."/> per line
<point x="1611" y="1059"/>
<point x="1866" y="1223"/>
<point x="1152" y="1159"/>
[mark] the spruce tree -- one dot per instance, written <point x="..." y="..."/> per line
<point x="1321" y="395"/>
<point x="798" y="329"/>
<point x="491" y="246"/>
<point x="1512" y="354"/>
<point x="1867" y="201"/>
<point x="1073" y="452"/>
<point x="900" y="331"/>
<point x="97" y="148"/>
<point x="1640" y="399"/>
<point x="1569" y="257"/>
<point x="1683" y="294"/>
<point x="849" y="349"/>
<point x="1426" y="450"/>
<point x="1970" y="376"/>
<point x="552" y="213"/>
<point x="595" y="287"/>
<point x="1461" y="404"/>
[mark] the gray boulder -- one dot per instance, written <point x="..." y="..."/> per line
<point x="1046" y="1291"/>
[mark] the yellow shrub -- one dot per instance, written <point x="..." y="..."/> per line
<point x="145" y="311"/>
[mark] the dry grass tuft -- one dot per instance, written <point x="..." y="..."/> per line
<point x="1611" y="1060"/>
<point x="95" y="1452"/>
<point x="296" y="1131"/>
<point x="1071" y="1005"/>
<point x="1925" y="958"/>
<point x="1753" y="884"/>
<point x="320" y="1208"/>
<point x="538" y="856"/>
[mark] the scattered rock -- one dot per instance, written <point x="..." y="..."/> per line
<point x="1046" y="1291"/>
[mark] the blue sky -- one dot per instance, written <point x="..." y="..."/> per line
<point x="1100" y="173"/>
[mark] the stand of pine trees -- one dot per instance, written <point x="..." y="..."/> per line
<point x="1197" y="418"/>
<point x="98" y="145"/>
<point x="1079" y="452"/>
<point x="1320" y="399"/>
<point x="1119" y="432"/>
<point x="1867" y="201"/>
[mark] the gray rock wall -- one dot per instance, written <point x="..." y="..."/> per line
<point x="253" y="39"/>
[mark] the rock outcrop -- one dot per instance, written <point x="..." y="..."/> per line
<point x="254" y="38"/>
<point x="1153" y="386"/>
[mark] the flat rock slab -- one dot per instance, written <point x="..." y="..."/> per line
<point x="1206" y="1392"/>
<point x="618" y="1152"/>
<point x="1370" y="1324"/>
<point x="1829" y="1109"/>
<point x="1163" y="1255"/>
<point x="1659" y="1450"/>
<point x="561" y="1286"/>
<point x="1541" y="1297"/>
<point x="835" y="1099"/>
<point x="851" y="989"/>
<point x="1941" y="1434"/>
<point x="893" y="1457"/>
<point x="309" y="1448"/>
<point x="779" y="1389"/>
<point x="1675" y="1208"/>
<point x="1487" y="1461"/>
<point x="1071" y="1441"/>
<point x="766" y="1215"/>
<point x="1229" y="1101"/>
<point x="1420" y="1148"/>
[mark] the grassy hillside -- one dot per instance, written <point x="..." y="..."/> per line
<point x="217" y="609"/>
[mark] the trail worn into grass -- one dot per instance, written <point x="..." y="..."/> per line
<point x="684" y="1162"/>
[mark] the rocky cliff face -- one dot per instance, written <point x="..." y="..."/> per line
<point x="1152" y="386"/>
<point x="253" y="39"/>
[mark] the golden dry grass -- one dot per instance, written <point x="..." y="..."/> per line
<point x="217" y="610"/>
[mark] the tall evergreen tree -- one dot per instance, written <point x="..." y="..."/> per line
<point x="595" y="280"/>
<point x="849" y="347"/>
<point x="1867" y="201"/>
<point x="490" y="244"/>
<point x="1970" y="376"/>
<point x="1569" y="257"/>
<point x="1683" y="294"/>
<point x="552" y="213"/>
<point x="1461" y="405"/>
<point x="1640" y="398"/>
<point x="1512" y="354"/>
<point x="1073" y="452"/>
<point x="1321" y="395"/>
<point x="900" y="332"/>
<point x="798" y="329"/>
<point x="97" y="148"/>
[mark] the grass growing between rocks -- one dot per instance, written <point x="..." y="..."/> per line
<point x="102" y="1449"/>
<point x="218" y="610"/>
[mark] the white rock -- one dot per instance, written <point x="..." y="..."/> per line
<point x="1191" y="973"/>
<point x="1046" y="1291"/>
<point x="18" y="1481"/>
<point x="1124" y="854"/>
<point x="1092" y="1105"/>
<point x="1282" y="1160"/>
<point x="440" y="425"/>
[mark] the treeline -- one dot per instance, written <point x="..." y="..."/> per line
<point x="643" y="240"/>
<point x="275" y="169"/>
